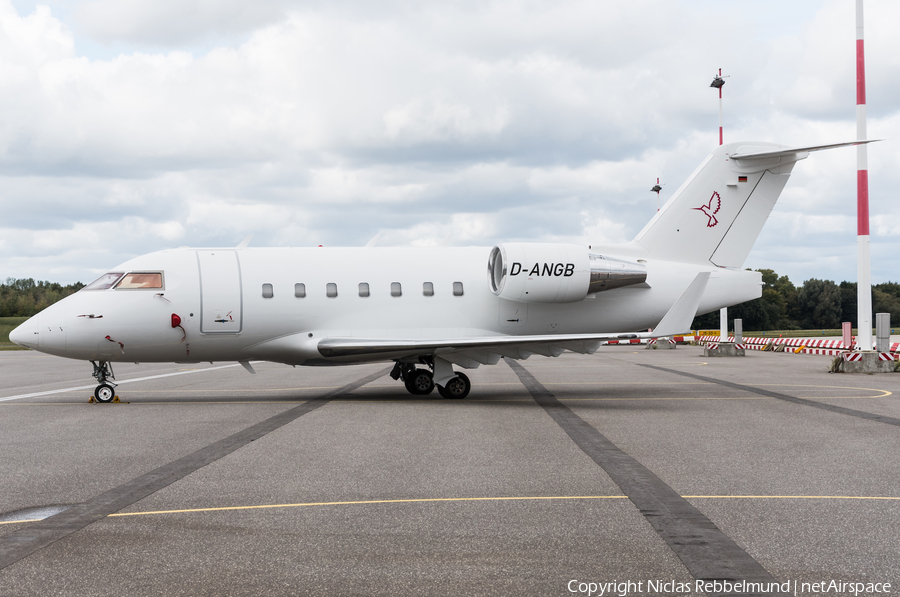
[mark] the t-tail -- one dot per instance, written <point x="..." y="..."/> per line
<point x="718" y="213"/>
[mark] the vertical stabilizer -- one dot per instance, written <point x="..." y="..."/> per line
<point x="717" y="214"/>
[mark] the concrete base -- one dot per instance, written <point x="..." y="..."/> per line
<point x="725" y="349"/>
<point x="662" y="344"/>
<point x="870" y="363"/>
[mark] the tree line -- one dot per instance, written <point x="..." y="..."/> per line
<point x="817" y="304"/>
<point x="25" y="297"/>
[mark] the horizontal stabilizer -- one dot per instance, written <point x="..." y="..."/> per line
<point x="781" y="152"/>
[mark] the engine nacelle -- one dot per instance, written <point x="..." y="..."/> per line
<point x="556" y="273"/>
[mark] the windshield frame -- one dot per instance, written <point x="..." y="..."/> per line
<point x="160" y="273"/>
<point x="105" y="282"/>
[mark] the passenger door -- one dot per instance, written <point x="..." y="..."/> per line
<point x="221" y="305"/>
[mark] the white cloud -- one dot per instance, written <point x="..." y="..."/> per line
<point x="426" y="123"/>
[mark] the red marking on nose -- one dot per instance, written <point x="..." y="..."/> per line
<point x="176" y="321"/>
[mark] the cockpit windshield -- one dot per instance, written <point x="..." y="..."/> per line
<point x="105" y="281"/>
<point x="145" y="280"/>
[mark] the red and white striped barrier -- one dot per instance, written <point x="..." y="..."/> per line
<point x="715" y="346"/>
<point x="800" y="345"/>
<point x="882" y="356"/>
<point x="832" y="352"/>
<point x="804" y="342"/>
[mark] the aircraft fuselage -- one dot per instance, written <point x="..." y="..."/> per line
<point x="232" y="303"/>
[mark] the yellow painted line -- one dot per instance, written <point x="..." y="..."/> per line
<point x="564" y="399"/>
<point x="21" y="521"/>
<point x="883" y="394"/>
<point x="367" y="502"/>
<point x="496" y="499"/>
<point x="791" y="497"/>
<point x="626" y="383"/>
<point x="482" y="499"/>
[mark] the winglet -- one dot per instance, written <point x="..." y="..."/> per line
<point x="244" y="242"/>
<point x="682" y="313"/>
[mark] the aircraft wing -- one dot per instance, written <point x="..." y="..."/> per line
<point x="472" y="351"/>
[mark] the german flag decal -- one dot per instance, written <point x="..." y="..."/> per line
<point x="742" y="179"/>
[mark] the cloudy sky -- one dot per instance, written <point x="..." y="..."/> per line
<point x="132" y="126"/>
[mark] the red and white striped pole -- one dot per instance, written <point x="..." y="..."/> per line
<point x="863" y="260"/>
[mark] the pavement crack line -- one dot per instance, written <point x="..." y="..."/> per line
<point x="707" y="552"/>
<point x="768" y="393"/>
<point x="37" y="535"/>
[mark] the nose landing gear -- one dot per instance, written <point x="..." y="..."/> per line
<point x="103" y="373"/>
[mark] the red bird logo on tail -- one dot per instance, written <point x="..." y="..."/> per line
<point x="709" y="211"/>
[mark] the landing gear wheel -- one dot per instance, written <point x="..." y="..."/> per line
<point x="419" y="382"/>
<point x="104" y="393"/>
<point x="457" y="388"/>
<point x="103" y="372"/>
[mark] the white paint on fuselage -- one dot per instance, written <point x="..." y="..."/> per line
<point x="136" y="324"/>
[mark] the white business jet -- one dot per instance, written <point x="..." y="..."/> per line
<point x="427" y="309"/>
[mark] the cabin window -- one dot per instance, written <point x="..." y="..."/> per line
<point x="457" y="289"/>
<point x="141" y="280"/>
<point x="105" y="281"/>
<point x="395" y="289"/>
<point x="268" y="291"/>
<point x="364" y="289"/>
<point x="300" y="290"/>
<point x="331" y="290"/>
<point x="428" y="289"/>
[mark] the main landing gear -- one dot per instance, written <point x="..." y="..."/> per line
<point x="106" y="391"/>
<point x="458" y="387"/>
<point x="420" y="382"/>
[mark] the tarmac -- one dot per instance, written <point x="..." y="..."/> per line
<point x="654" y="467"/>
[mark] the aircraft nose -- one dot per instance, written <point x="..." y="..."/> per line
<point x="28" y="334"/>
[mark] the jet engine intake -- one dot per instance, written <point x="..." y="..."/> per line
<point x="556" y="273"/>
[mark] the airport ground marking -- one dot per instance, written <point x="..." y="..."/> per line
<point x="492" y="499"/>
<point x="881" y="394"/>
<point x="794" y="497"/>
<point x="702" y="547"/>
<point x="801" y="401"/>
<point x="23" y="542"/>
<point x="884" y="393"/>
<point x="124" y="381"/>
<point x="375" y="502"/>
<point x="479" y="499"/>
